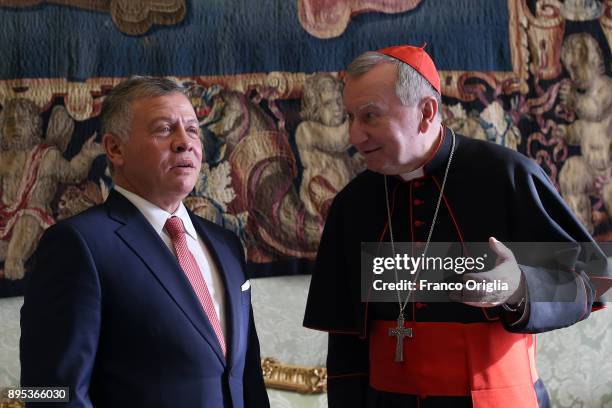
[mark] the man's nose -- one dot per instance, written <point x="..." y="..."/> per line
<point x="182" y="141"/>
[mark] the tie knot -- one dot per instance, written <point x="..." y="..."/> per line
<point x="174" y="226"/>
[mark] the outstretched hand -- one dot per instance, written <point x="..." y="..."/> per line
<point x="506" y="271"/>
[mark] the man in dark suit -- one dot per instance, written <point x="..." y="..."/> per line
<point x="138" y="302"/>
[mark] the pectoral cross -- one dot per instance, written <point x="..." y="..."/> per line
<point x="400" y="332"/>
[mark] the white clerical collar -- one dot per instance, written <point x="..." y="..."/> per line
<point x="412" y="174"/>
<point x="156" y="216"/>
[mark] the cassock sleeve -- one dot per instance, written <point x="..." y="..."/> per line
<point x="564" y="289"/>
<point x="334" y="303"/>
<point x="334" y="306"/>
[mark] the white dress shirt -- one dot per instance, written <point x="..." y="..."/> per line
<point x="157" y="218"/>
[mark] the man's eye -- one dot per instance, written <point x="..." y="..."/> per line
<point x="369" y="115"/>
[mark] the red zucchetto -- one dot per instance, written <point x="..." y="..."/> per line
<point x="418" y="59"/>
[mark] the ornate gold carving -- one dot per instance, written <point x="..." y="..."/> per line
<point x="12" y="404"/>
<point x="5" y="402"/>
<point x="132" y="17"/>
<point x="305" y="380"/>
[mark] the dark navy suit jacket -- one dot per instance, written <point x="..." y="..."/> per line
<point x="109" y="313"/>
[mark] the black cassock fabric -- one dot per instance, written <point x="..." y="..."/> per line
<point x="490" y="191"/>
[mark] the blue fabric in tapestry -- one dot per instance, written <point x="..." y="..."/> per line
<point x="242" y="36"/>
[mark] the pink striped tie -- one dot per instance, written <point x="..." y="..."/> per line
<point x="174" y="226"/>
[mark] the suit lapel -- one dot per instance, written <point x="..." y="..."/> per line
<point x="144" y="241"/>
<point x="227" y="265"/>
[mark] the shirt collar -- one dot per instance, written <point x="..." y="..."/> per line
<point x="156" y="216"/>
<point x="435" y="160"/>
<point x="412" y="174"/>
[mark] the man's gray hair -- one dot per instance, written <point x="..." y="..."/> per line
<point x="410" y="86"/>
<point x="116" y="113"/>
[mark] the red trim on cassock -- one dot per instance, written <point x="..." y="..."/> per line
<point x="412" y="183"/>
<point x="482" y="360"/>
<point x="435" y="151"/>
<point x="411" y="217"/>
<point x="450" y="212"/>
<point x="602" y="284"/>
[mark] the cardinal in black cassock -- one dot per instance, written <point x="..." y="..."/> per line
<point x="475" y="352"/>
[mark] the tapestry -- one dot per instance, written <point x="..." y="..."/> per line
<point x="265" y="79"/>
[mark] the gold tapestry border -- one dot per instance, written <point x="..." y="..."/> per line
<point x="82" y="99"/>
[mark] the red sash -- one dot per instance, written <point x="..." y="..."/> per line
<point x="482" y="360"/>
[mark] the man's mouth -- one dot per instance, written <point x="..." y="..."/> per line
<point x="368" y="151"/>
<point x="187" y="164"/>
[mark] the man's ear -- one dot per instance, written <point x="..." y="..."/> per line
<point x="429" y="110"/>
<point x="113" y="147"/>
